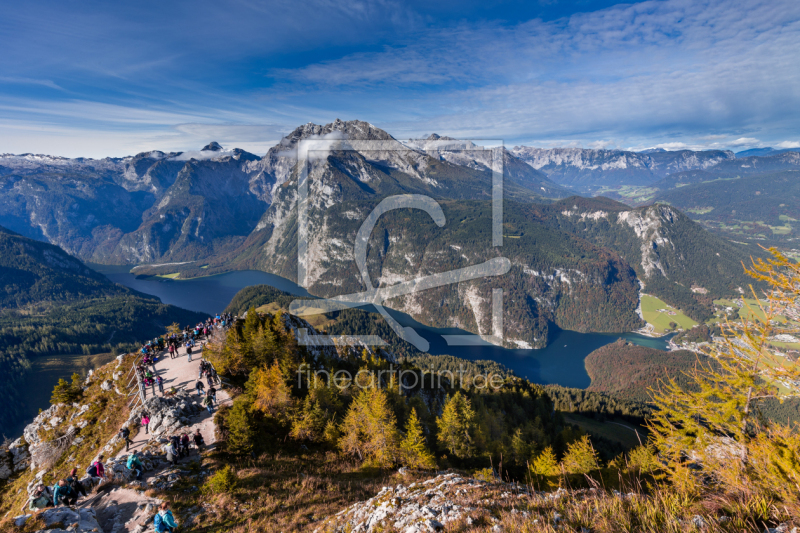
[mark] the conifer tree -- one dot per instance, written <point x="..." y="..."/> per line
<point x="311" y="422"/>
<point x="65" y="392"/>
<point x="580" y="457"/>
<point x="716" y="420"/>
<point x="545" y="466"/>
<point x="412" y="448"/>
<point x="272" y="395"/>
<point x="241" y="435"/>
<point x="369" y="430"/>
<point x="456" y="426"/>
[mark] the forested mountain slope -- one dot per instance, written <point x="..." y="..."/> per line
<point x="54" y="304"/>
<point x="670" y="253"/>
<point x="32" y="272"/>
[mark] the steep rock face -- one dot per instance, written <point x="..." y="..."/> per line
<point x="14" y="458"/>
<point x="550" y="270"/>
<point x="210" y="206"/>
<point x="467" y="154"/>
<point x="135" y="208"/>
<point x="158" y="206"/>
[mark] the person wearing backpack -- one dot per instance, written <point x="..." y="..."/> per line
<point x="172" y="453"/>
<point x="125" y="434"/>
<point x="63" y="494"/>
<point x="96" y="469"/>
<point x="164" y="522"/>
<point x="199" y="387"/>
<point x="41" y="498"/>
<point x="160" y="382"/>
<point x="75" y="484"/>
<point x="135" y="465"/>
<point x="184" y="444"/>
<point x="208" y="403"/>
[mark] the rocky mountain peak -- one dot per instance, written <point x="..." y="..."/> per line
<point x="213" y="146"/>
<point x="437" y="137"/>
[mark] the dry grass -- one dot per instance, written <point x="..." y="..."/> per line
<point x="281" y="493"/>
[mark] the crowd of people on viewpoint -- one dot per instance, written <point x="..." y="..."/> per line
<point x="68" y="490"/>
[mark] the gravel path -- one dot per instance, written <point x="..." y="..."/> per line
<point x="182" y="374"/>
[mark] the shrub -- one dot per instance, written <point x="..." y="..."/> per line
<point x="223" y="481"/>
<point x="485" y="474"/>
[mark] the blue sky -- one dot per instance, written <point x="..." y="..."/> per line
<point x="101" y="79"/>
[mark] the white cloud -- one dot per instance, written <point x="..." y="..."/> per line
<point x="672" y="73"/>
<point x="789" y="144"/>
<point x="745" y="141"/>
<point x="601" y="145"/>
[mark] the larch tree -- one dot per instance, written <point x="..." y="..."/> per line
<point x="413" y="451"/>
<point x="369" y="430"/>
<point x="715" y="423"/>
<point x="456" y="426"/>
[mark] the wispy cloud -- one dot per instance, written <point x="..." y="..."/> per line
<point x="30" y="81"/>
<point x="707" y="73"/>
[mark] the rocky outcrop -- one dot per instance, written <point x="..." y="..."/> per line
<point x="14" y="458"/>
<point x="168" y="414"/>
<point x="426" y="507"/>
<point x="63" y="519"/>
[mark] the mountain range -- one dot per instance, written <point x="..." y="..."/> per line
<point x="574" y="263"/>
<point x="586" y="170"/>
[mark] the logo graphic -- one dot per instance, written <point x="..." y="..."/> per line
<point x="310" y="149"/>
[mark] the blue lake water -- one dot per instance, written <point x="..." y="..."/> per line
<point x="561" y="362"/>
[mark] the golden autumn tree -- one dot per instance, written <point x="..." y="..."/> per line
<point x="369" y="430"/>
<point x="712" y="432"/>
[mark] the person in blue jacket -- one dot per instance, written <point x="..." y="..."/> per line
<point x="164" y="522"/>
<point x="63" y="493"/>
<point x="135" y="464"/>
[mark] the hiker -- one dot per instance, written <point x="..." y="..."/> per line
<point x="200" y="387"/>
<point x="172" y="453"/>
<point x="125" y="434"/>
<point x="135" y="465"/>
<point x="75" y="484"/>
<point x="171" y="351"/>
<point x="189" y="350"/>
<point x="63" y="493"/>
<point x="198" y="440"/>
<point x="164" y="522"/>
<point x="208" y="403"/>
<point x="212" y="392"/>
<point x="41" y="498"/>
<point x="209" y="379"/>
<point x="185" y="444"/>
<point x="160" y="382"/>
<point x="97" y="469"/>
<point x="146" y="423"/>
